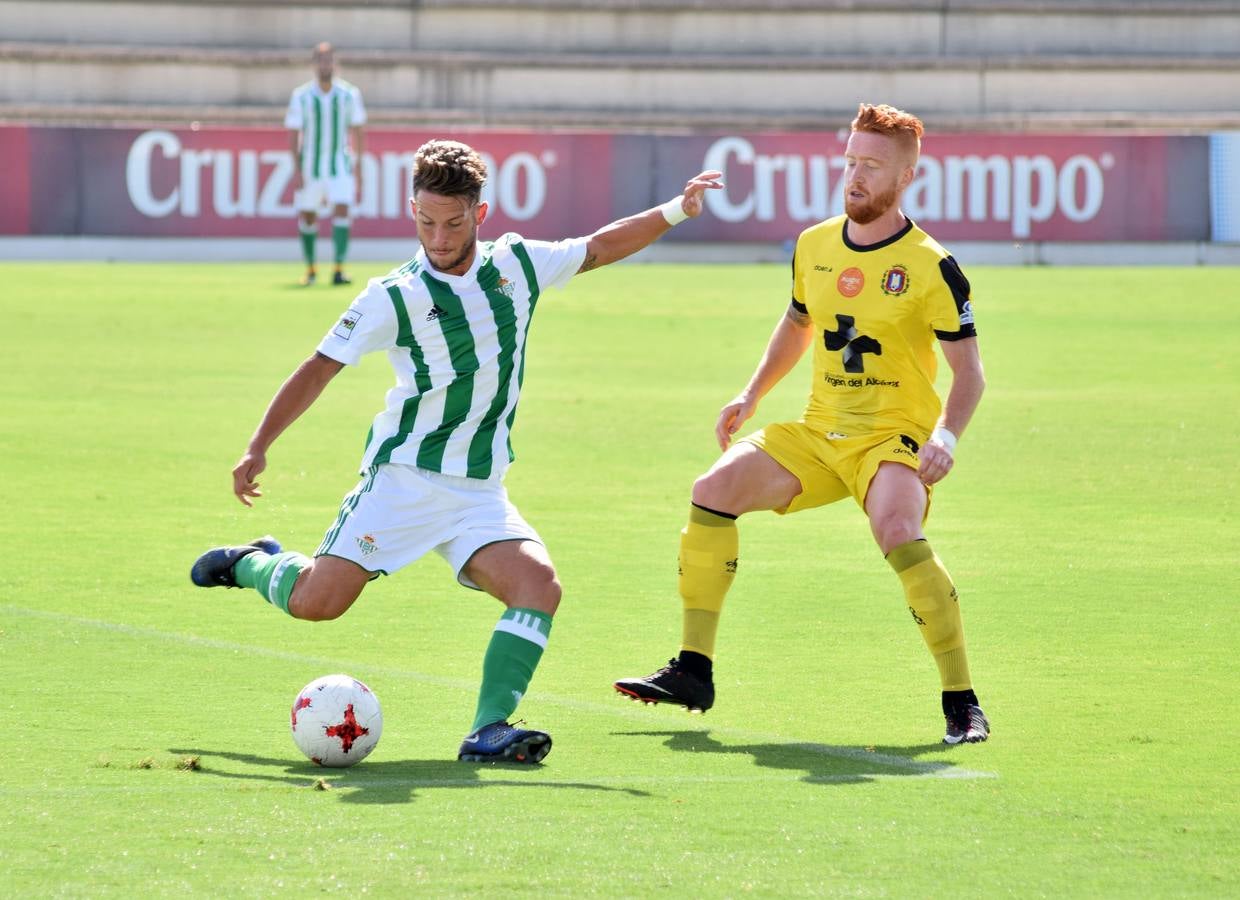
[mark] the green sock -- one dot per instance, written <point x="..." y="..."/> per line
<point x="308" y="239"/>
<point x="512" y="656"/>
<point x="340" y="239"/>
<point x="271" y="576"/>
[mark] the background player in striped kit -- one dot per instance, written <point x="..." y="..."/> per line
<point x="323" y="114"/>
<point x="453" y="321"/>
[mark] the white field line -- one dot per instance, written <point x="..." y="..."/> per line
<point x="624" y="710"/>
<point x="607" y="783"/>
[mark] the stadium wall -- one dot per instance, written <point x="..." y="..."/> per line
<point x="1013" y="191"/>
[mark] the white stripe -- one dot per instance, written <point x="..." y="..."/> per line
<point x="485" y="336"/>
<point x="275" y="576"/>
<point x="485" y="332"/>
<point x="629" y="712"/>
<point x="522" y="630"/>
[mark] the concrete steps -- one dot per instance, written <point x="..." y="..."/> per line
<point x="633" y="63"/>
<point x="883" y="28"/>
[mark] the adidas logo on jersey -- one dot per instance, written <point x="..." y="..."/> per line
<point x="435" y="312"/>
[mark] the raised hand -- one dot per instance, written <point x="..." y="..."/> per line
<point x="696" y="187"/>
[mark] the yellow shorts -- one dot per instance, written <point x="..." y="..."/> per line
<point x="831" y="469"/>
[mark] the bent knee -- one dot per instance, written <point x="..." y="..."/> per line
<point x="321" y="606"/>
<point x="546" y="593"/>
<point x="541" y="592"/>
<point x="713" y="490"/>
<point x="891" y="532"/>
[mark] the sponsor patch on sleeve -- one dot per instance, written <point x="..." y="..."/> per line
<point x="347" y="323"/>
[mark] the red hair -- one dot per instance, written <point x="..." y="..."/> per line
<point x="904" y="127"/>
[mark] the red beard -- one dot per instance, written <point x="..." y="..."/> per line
<point x="863" y="212"/>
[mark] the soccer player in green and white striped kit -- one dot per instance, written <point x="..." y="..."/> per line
<point x="322" y="115"/>
<point x="453" y="322"/>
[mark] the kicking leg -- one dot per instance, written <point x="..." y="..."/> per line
<point x="317" y="589"/>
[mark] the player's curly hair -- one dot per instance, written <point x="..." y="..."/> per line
<point x="449" y="168"/>
<point x="905" y="127"/>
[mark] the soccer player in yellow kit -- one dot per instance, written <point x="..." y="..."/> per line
<point x="871" y="293"/>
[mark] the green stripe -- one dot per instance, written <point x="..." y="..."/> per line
<point x="335" y="130"/>
<point x="421" y="375"/>
<point x="346" y="508"/>
<point x="531" y="282"/>
<point x="481" y="461"/>
<point x="531" y="277"/>
<point x="318" y="134"/>
<point x="301" y="145"/>
<point x="460" y="393"/>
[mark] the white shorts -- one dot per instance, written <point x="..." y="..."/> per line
<point x="398" y="513"/>
<point x="318" y="194"/>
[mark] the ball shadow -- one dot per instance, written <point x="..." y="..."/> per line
<point x="384" y="781"/>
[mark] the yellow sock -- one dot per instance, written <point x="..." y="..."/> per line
<point x="708" y="553"/>
<point x="932" y="601"/>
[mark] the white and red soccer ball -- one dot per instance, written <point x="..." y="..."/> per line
<point x="336" y="721"/>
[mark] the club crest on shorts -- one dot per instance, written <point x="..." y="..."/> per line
<point x="895" y="281"/>
<point x="367" y="544"/>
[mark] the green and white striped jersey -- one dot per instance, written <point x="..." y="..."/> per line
<point x="457" y="345"/>
<point x="324" y="120"/>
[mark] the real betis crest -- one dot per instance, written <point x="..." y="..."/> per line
<point x="489" y="279"/>
<point x="895" y="281"/>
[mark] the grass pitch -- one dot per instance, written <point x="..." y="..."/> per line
<point x="1091" y="526"/>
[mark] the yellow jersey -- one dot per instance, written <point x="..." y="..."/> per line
<point x="877" y="310"/>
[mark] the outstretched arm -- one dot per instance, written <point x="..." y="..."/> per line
<point x="626" y="236"/>
<point x="293" y="398"/>
<point x="788" y="343"/>
<point x="968" y="382"/>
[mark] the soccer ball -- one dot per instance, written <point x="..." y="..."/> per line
<point x="336" y="721"/>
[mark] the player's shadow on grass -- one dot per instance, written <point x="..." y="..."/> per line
<point x="395" y="781"/>
<point x="821" y="763"/>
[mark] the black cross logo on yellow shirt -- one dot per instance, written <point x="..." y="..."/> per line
<point x="851" y="343"/>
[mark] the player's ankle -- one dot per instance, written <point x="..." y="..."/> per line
<point x="697" y="664"/>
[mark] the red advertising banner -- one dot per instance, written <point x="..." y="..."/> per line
<point x="971" y="187"/>
<point x="238" y="183"/>
<point x="14" y="180"/>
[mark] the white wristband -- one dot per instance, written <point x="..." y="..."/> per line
<point x="674" y="210"/>
<point x="946" y="438"/>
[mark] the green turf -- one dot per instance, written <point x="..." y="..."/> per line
<point x="1091" y="525"/>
